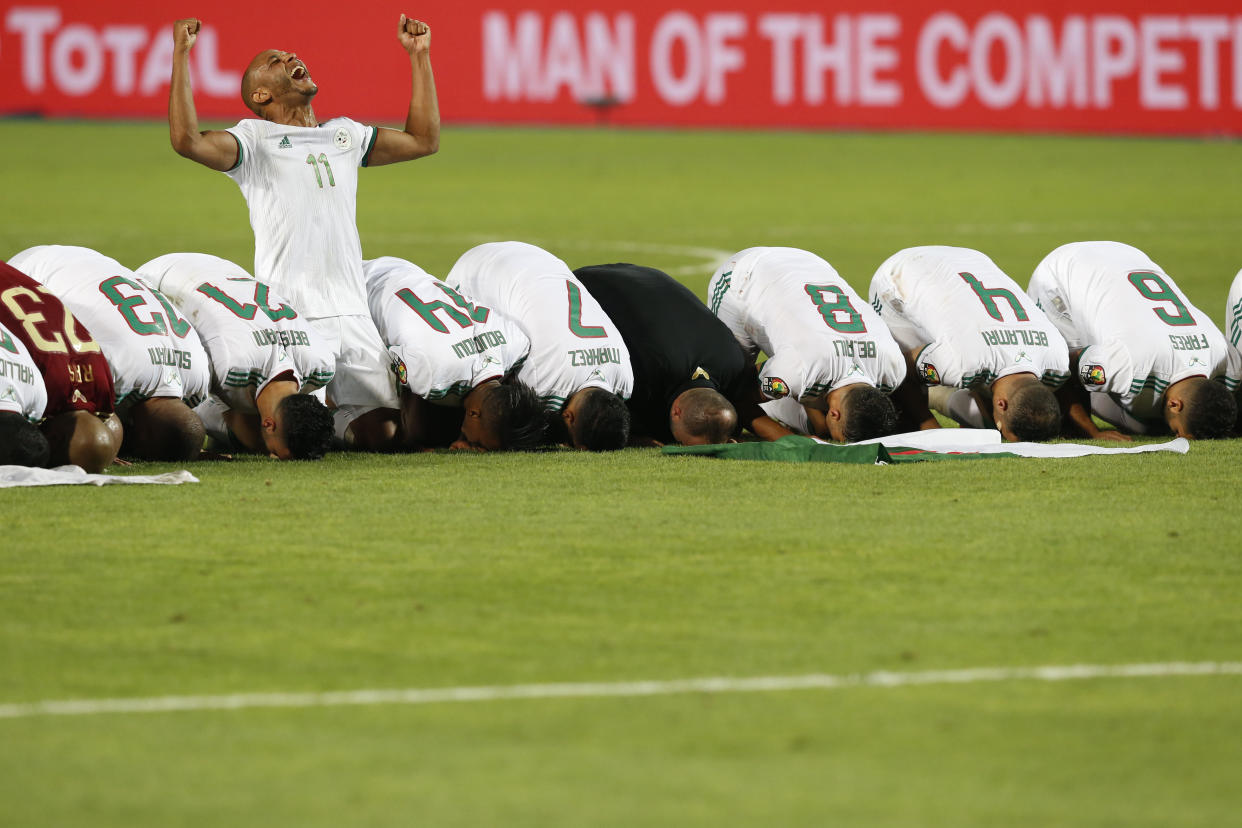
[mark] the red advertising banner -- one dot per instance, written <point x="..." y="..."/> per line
<point x="1095" y="66"/>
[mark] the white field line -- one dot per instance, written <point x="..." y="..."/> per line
<point x="711" y="257"/>
<point x="721" y="684"/>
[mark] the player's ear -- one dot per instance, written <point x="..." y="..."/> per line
<point x="269" y="425"/>
<point x="1175" y="403"/>
<point x="568" y="416"/>
<point x="260" y="96"/>
<point x="1002" y="403"/>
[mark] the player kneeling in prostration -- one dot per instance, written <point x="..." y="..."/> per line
<point x="456" y="361"/>
<point x="826" y="347"/>
<point x="964" y="324"/>
<point x="158" y="364"/>
<point x="1144" y="358"/>
<point x="266" y="360"/>
<point x="692" y="383"/>
<point x="52" y="371"/>
<point x="578" y="363"/>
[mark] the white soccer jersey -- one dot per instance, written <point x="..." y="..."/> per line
<point x="251" y="334"/>
<point x="442" y="344"/>
<point x="817" y="332"/>
<point x="151" y="348"/>
<point x="301" y="185"/>
<point x="1233" y="331"/>
<point x="573" y="343"/>
<point x="975" y="323"/>
<point x="21" y="385"/>
<point x="1139" y="331"/>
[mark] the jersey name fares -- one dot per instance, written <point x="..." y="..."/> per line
<point x="301" y="185"/>
<point x="71" y="363"/>
<point x="1138" y="330"/>
<point x="818" y="333"/>
<point x="442" y="343"/>
<point x="152" y="349"/>
<point x="251" y="334"/>
<point x="976" y="322"/>
<point x="573" y="343"/>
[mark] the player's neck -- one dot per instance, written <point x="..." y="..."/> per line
<point x="301" y="115"/>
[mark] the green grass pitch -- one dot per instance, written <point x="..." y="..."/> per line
<point x="440" y="570"/>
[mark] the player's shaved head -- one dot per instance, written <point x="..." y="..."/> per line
<point x="702" y="416"/>
<point x="1209" y="411"/>
<point x="81" y="439"/>
<point x="1034" y="414"/>
<point x="601" y="422"/>
<point x="305" y="425"/>
<point x="867" y="412"/>
<point x="164" y="428"/>
<point x="250" y="80"/>
<point x="21" y="442"/>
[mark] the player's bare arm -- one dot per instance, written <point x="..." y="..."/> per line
<point x="422" y="124"/>
<point x="910" y="399"/>
<point x="214" y="148"/>
<point x="752" y="416"/>
<point x="1076" y="407"/>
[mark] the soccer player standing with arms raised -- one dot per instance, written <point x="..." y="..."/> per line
<point x="300" y="180"/>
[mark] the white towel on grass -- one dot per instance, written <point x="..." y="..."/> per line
<point x="13" y="476"/>
<point x="969" y="440"/>
<point x="988" y="441"/>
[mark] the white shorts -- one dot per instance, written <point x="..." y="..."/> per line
<point x="364" y="379"/>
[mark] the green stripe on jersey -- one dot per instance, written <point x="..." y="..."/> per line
<point x="718" y="293"/>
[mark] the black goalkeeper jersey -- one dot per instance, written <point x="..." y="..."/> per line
<point x="675" y="342"/>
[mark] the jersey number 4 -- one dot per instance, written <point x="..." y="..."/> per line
<point x="988" y="297"/>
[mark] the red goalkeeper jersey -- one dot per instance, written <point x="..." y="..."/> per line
<point x="70" y="360"/>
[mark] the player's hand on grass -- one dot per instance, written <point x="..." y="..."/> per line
<point x="116" y="461"/>
<point x="1114" y="435"/>
<point x="215" y="455"/>
<point x="185" y="32"/>
<point x="414" y="35"/>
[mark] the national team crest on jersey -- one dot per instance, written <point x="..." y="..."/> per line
<point x="930" y="375"/>
<point x="1092" y="375"/>
<point x="775" y="388"/>
<point x="403" y="373"/>
<point x="341" y="139"/>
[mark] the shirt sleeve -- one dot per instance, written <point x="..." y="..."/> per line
<point x="782" y="376"/>
<point x="1106" y="367"/>
<point x="939" y="364"/>
<point x="367" y="136"/>
<point x="247" y="141"/>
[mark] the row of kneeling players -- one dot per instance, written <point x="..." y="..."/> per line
<point x="514" y="350"/>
